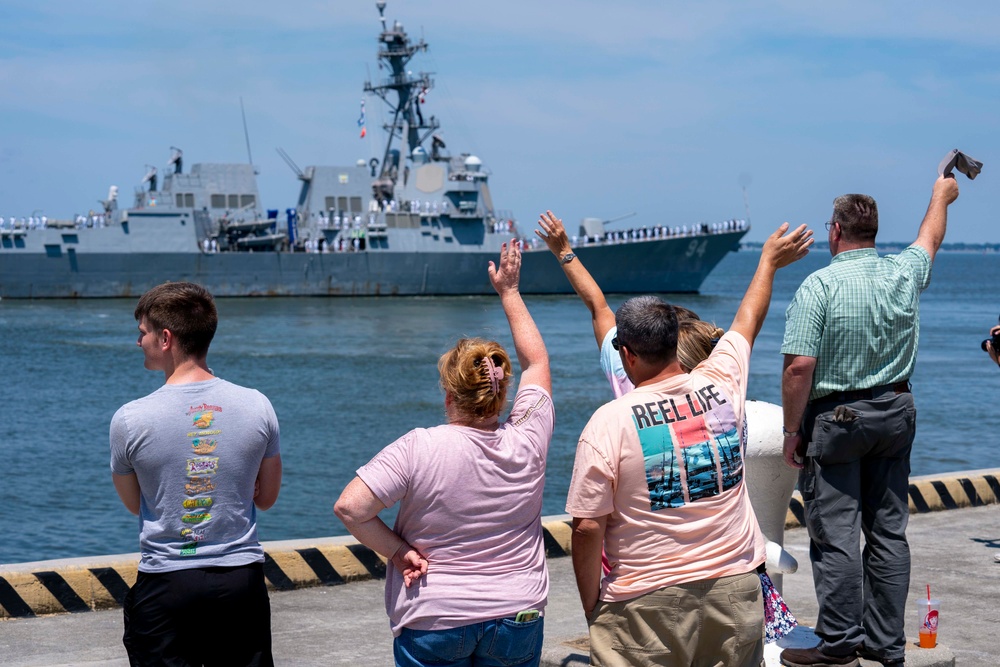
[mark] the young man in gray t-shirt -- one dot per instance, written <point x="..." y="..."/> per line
<point x="195" y="460"/>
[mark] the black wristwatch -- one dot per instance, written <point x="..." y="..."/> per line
<point x="567" y="258"/>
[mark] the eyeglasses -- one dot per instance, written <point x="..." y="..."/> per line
<point x="616" y="344"/>
<point x="829" y="224"/>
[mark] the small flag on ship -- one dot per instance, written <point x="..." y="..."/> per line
<point x="361" y="120"/>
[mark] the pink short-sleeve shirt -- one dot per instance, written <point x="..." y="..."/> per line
<point x="471" y="502"/>
<point x="665" y="464"/>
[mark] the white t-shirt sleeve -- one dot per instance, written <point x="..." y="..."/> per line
<point x="611" y="364"/>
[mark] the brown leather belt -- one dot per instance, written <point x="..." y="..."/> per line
<point x="901" y="387"/>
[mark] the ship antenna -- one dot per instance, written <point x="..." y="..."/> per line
<point x="289" y="161"/>
<point x="246" y="132"/>
<point x="381" y="12"/>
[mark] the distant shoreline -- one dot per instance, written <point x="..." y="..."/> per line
<point x="893" y="246"/>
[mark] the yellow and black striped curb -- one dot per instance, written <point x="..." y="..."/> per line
<point x="932" y="493"/>
<point x="85" y="584"/>
<point x="81" y="584"/>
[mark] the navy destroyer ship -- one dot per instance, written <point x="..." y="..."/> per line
<point x="420" y="221"/>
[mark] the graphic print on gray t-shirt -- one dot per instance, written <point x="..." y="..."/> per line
<point x="196" y="450"/>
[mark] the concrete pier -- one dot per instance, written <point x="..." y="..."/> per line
<point x="331" y="624"/>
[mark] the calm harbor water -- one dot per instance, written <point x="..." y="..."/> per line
<point x="348" y="376"/>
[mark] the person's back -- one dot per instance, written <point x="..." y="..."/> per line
<point x="681" y="440"/>
<point x="468" y="583"/>
<point x="195" y="460"/>
<point x="197" y="503"/>
<point x="472" y="506"/>
<point x="658" y="482"/>
<point x="871" y="327"/>
<point x="850" y="348"/>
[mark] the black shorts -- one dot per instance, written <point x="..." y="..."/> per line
<point x="204" y="616"/>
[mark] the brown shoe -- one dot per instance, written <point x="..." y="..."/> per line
<point x="813" y="657"/>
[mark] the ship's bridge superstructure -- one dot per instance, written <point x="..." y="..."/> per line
<point x="418" y="197"/>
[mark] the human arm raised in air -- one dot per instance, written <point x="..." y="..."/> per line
<point x="935" y="221"/>
<point x="528" y="344"/>
<point x="780" y="249"/>
<point x="554" y="235"/>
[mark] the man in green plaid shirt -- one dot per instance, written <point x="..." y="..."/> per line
<point x="850" y="346"/>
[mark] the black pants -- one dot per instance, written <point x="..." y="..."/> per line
<point x="211" y="616"/>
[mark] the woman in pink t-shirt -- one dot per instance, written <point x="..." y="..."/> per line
<point x="468" y="581"/>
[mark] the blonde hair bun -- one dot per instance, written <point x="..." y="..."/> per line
<point x="478" y="389"/>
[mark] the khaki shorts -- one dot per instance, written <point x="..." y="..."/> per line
<point x="708" y="623"/>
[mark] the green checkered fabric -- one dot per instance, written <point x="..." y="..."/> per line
<point x="860" y="318"/>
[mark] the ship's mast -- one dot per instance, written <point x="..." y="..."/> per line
<point x="408" y="122"/>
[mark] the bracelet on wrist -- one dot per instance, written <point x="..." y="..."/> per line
<point x="788" y="434"/>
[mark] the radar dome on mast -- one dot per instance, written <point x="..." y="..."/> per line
<point x="472" y="163"/>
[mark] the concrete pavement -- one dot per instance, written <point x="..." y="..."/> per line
<point x="345" y="624"/>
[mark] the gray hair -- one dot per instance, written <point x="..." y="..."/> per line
<point x="647" y="325"/>
<point x="857" y="215"/>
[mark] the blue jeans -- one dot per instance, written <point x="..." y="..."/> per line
<point x="497" y="643"/>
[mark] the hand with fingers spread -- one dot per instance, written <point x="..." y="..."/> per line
<point x="508" y="275"/>
<point x="782" y="249"/>
<point x="554" y="234"/>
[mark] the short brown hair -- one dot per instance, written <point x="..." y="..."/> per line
<point x="186" y="310"/>
<point x="465" y="376"/>
<point x="857" y="215"/>
<point x="647" y="325"/>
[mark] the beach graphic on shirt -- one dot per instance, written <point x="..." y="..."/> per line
<point x="691" y="447"/>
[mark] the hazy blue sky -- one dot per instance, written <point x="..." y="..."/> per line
<point x="589" y="108"/>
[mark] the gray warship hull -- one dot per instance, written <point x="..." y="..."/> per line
<point x="418" y="221"/>
<point x="49" y="267"/>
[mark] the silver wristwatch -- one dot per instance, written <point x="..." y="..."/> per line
<point x="567" y="258"/>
